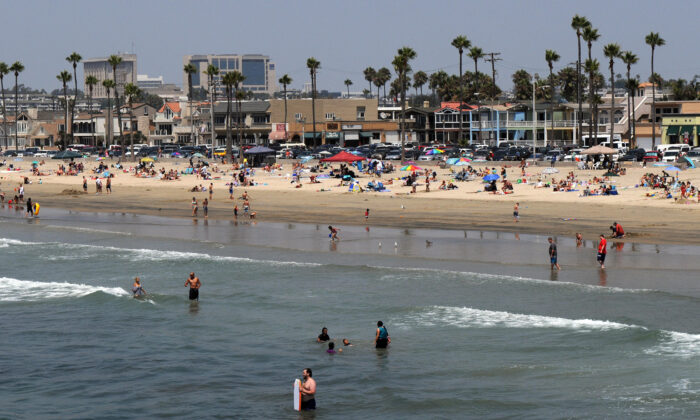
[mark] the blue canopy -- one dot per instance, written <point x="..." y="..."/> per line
<point x="258" y="150"/>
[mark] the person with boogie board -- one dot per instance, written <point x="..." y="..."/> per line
<point x="305" y="392"/>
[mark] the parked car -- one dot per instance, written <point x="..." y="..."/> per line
<point x="693" y="155"/>
<point x="634" y="155"/>
<point x="651" y="157"/>
<point x="427" y="158"/>
<point x="670" y="156"/>
<point x="394" y="154"/>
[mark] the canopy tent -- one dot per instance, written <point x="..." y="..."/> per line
<point x="343" y="157"/>
<point x="258" y="150"/>
<point x="599" y="150"/>
<point x="67" y="154"/>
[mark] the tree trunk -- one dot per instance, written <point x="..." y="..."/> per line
<point x="612" y="103"/>
<point x="579" y="90"/>
<point x="131" y="131"/>
<point x="403" y="114"/>
<point x="653" y="102"/>
<point x="4" y="112"/>
<point x="551" y="104"/>
<point x="313" y="104"/>
<point x="66" y="108"/>
<point x="591" y="98"/>
<point x="461" y="92"/>
<point x="285" y="113"/>
<point x="75" y="99"/>
<point x="229" y="140"/>
<point x="92" y="125"/>
<point x="119" y="113"/>
<point x="17" y="126"/>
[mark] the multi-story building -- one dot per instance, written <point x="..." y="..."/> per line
<point x="102" y="70"/>
<point x="145" y="82"/>
<point x="258" y="70"/>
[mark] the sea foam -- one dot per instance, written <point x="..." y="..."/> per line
<point x="15" y="290"/>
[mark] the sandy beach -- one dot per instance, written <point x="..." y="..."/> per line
<point x="648" y="219"/>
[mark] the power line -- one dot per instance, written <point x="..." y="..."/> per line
<point x="493" y="60"/>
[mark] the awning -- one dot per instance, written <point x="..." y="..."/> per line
<point x="672" y="130"/>
<point x="366" y="133"/>
<point x="311" y="135"/>
<point x="686" y="129"/>
<point x="332" y="135"/>
<point x="352" y="136"/>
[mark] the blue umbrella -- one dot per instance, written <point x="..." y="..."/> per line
<point x="672" y="169"/>
<point x="491" y="177"/>
<point x="452" y="161"/>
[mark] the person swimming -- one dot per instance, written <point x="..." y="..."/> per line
<point x="137" y="289"/>
<point x="331" y="348"/>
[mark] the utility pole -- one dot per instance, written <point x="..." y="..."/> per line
<point x="493" y="60"/>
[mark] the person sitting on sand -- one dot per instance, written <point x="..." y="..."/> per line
<point x="617" y="231"/>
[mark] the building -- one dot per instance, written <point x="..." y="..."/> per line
<point x="145" y="82"/>
<point x="259" y="71"/>
<point x="102" y="70"/>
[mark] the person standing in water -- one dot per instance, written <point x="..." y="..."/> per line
<point x="137" y="289"/>
<point x="308" y="390"/>
<point x="194" y="284"/>
<point x="382" y="339"/>
<point x="194" y="207"/>
<point x="602" y="251"/>
<point x="516" y="212"/>
<point x="553" y="254"/>
<point x="334" y="233"/>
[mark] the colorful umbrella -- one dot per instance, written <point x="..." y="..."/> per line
<point x="100" y="158"/>
<point x="452" y="161"/>
<point x="491" y="177"/>
<point x="147" y="159"/>
<point x="435" y="152"/>
<point x="411" y="168"/>
<point x="462" y="162"/>
<point x="672" y="169"/>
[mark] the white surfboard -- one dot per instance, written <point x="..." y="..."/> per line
<point x="297" y="395"/>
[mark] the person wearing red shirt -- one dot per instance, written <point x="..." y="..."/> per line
<point x="617" y="231"/>
<point x="602" y="251"/>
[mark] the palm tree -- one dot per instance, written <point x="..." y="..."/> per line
<point x="285" y="81"/>
<point x="65" y="77"/>
<point x="313" y="65"/>
<point x="347" y="84"/>
<point x="551" y="57"/>
<point x="612" y="51"/>
<point x="131" y="91"/>
<point x="212" y="71"/>
<point x="4" y="69"/>
<point x="653" y="40"/>
<point x="109" y="137"/>
<point x="229" y="81"/>
<point x="16" y="68"/>
<point x="591" y="67"/>
<point x="590" y="35"/>
<point x="114" y="61"/>
<point x="370" y="73"/>
<point x="461" y="43"/>
<point x="420" y="78"/>
<point x="378" y="82"/>
<point x="238" y="79"/>
<point x="578" y="23"/>
<point x="629" y="58"/>
<point x="385" y="76"/>
<point x="632" y="85"/>
<point x="90" y="82"/>
<point x="189" y="70"/>
<point x="476" y="54"/>
<point x="74" y="59"/>
<point x="402" y="68"/>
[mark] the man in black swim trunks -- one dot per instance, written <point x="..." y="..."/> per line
<point x="194" y="284"/>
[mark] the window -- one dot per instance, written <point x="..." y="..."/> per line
<point x="219" y="119"/>
<point x="361" y="113"/>
<point x="330" y="116"/>
<point x="618" y="116"/>
<point x="183" y="138"/>
<point x="261" y="119"/>
<point x="298" y="116"/>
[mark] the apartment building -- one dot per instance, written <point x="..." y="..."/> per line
<point x="102" y="70"/>
<point x="259" y="71"/>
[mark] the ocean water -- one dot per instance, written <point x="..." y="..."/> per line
<point x="480" y="327"/>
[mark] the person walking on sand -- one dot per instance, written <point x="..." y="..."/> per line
<point x="516" y="212"/>
<point x="194" y="207"/>
<point x="194" y="284"/>
<point x="553" y="254"/>
<point x="230" y="191"/>
<point x="602" y="251"/>
<point x="381" y="339"/>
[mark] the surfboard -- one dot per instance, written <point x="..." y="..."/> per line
<point x="297" y="395"/>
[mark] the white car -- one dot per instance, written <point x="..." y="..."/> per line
<point x="670" y="156"/>
<point x="41" y="154"/>
<point x="426" y="157"/>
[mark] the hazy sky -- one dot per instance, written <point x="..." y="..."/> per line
<point x="346" y="36"/>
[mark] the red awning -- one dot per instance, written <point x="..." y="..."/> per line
<point x="276" y="135"/>
<point x="343" y="157"/>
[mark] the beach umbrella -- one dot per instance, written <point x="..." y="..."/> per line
<point x="175" y="154"/>
<point x="67" y="154"/>
<point x="147" y="159"/>
<point x="672" y="169"/>
<point x="411" y="168"/>
<point x="550" y="171"/>
<point x="599" y="150"/>
<point x="435" y="152"/>
<point x="100" y="158"/>
<point x="105" y="174"/>
<point x="452" y="161"/>
<point x="35" y="162"/>
<point x="198" y="155"/>
<point x="343" y="157"/>
<point x="689" y="161"/>
<point x="491" y="177"/>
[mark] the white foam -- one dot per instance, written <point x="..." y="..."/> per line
<point x="480" y="318"/>
<point x="6" y="242"/>
<point x="677" y="344"/>
<point x="14" y="290"/>
<point x="91" y="230"/>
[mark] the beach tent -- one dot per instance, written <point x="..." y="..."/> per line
<point x="599" y="150"/>
<point x="258" y="150"/>
<point x="343" y="157"/>
<point x="67" y="154"/>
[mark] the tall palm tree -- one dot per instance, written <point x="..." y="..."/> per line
<point x="592" y="67"/>
<point x="578" y="23"/>
<point x="461" y="43"/>
<point x="131" y="92"/>
<point x="551" y="57"/>
<point x="229" y="81"/>
<point x="65" y="77"/>
<point x="16" y="68"/>
<point x="590" y="35"/>
<point x="109" y="137"/>
<point x="238" y="79"/>
<point x="90" y="82"/>
<point x="402" y="67"/>
<point x="378" y="82"/>
<point x="313" y="65"/>
<point x="114" y="61"/>
<point x="370" y="73"/>
<point x="384" y="75"/>
<point x="212" y="71"/>
<point x="476" y="54"/>
<point x="420" y="78"/>
<point x="74" y="59"/>
<point x="189" y="70"/>
<point x="653" y="40"/>
<point x="347" y="84"/>
<point x="629" y="58"/>
<point x="4" y="69"/>
<point x="632" y="85"/>
<point x="285" y="81"/>
<point x="612" y="51"/>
